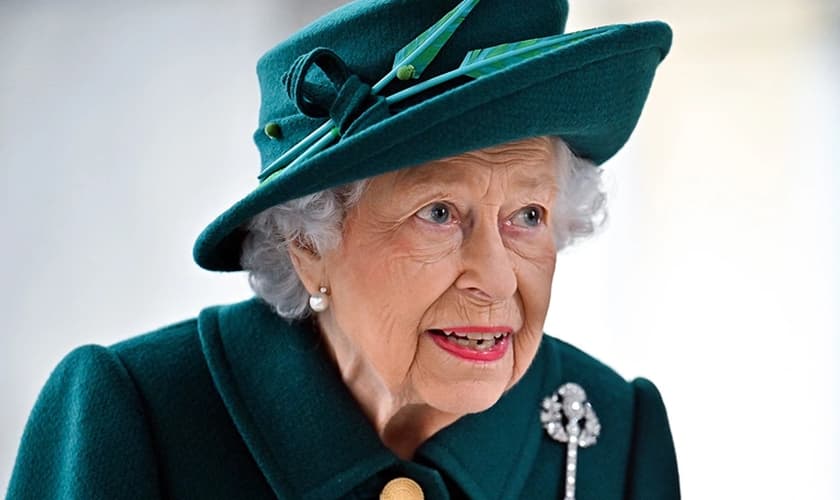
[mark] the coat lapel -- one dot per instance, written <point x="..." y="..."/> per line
<point x="490" y="454"/>
<point x="309" y="436"/>
<point x="302" y="425"/>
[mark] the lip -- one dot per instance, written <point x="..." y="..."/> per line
<point x="478" y="329"/>
<point x="495" y="353"/>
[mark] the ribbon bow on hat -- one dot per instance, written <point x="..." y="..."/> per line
<point x="343" y="99"/>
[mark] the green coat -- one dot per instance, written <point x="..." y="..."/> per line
<point x="241" y="404"/>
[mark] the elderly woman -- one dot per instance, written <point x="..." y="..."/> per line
<point x="423" y="163"/>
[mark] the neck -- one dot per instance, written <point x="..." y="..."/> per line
<point x="411" y="426"/>
<point x="402" y="422"/>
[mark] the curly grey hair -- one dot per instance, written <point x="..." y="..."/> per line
<point x="315" y="221"/>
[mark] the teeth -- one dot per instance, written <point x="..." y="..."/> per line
<point x="477" y="341"/>
<point x="476" y="335"/>
<point x="474" y="340"/>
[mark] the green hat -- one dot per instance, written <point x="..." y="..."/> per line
<point x="380" y="85"/>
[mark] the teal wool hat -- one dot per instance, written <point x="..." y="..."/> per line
<point x="380" y="85"/>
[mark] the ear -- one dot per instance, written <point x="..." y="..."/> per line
<point x="308" y="264"/>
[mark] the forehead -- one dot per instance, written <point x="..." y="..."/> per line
<point x="527" y="164"/>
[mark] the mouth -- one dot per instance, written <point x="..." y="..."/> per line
<point x="473" y="343"/>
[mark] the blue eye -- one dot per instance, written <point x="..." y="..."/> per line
<point x="531" y="216"/>
<point x="436" y="213"/>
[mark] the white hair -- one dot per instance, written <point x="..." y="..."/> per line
<point x="315" y="221"/>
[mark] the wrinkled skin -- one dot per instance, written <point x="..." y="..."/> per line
<point x="451" y="242"/>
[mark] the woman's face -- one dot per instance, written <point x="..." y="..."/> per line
<point x="441" y="283"/>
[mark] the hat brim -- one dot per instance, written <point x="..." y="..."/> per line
<point x="591" y="94"/>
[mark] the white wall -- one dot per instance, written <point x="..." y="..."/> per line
<point x="718" y="275"/>
<point x="125" y="128"/>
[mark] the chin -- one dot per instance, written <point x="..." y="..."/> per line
<point x="466" y="397"/>
<point x="458" y="387"/>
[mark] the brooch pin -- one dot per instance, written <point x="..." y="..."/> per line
<point x="569" y="418"/>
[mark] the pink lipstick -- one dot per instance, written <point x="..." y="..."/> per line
<point x="474" y="343"/>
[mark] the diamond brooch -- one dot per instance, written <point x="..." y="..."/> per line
<point x="569" y="418"/>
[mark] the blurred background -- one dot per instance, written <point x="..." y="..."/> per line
<point x="125" y="128"/>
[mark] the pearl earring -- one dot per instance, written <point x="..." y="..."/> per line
<point x="319" y="302"/>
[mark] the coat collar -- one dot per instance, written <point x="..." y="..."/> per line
<point x="312" y="440"/>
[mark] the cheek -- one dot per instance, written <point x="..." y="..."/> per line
<point x="383" y="284"/>
<point x="407" y="261"/>
<point x="534" y="260"/>
<point x="416" y="275"/>
<point x="534" y="274"/>
<point x="418" y="265"/>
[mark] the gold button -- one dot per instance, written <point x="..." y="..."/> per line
<point x="401" y="488"/>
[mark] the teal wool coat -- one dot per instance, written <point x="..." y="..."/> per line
<point x="239" y="403"/>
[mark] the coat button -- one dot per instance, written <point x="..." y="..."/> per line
<point x="401" y="488"/>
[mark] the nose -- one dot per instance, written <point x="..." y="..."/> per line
<point x="488" y="271"/>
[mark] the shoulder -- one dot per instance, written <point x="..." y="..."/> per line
<point x="88" y="375"/>
<point x="570" y="364"/>
<point x="633" y="417"/>
<point x="175" y="349"/>
<point x="86" y="436"/>
<point x="576" y="363"/>
<point x="110" y="423"/>
<point x="166" y="338"/>
<point x="169" y="359"/>
<point x="573" y="357"/>
<point x="135" y="371"/>
<point x="161" y="349"/>
<point x="169" y="369"/>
